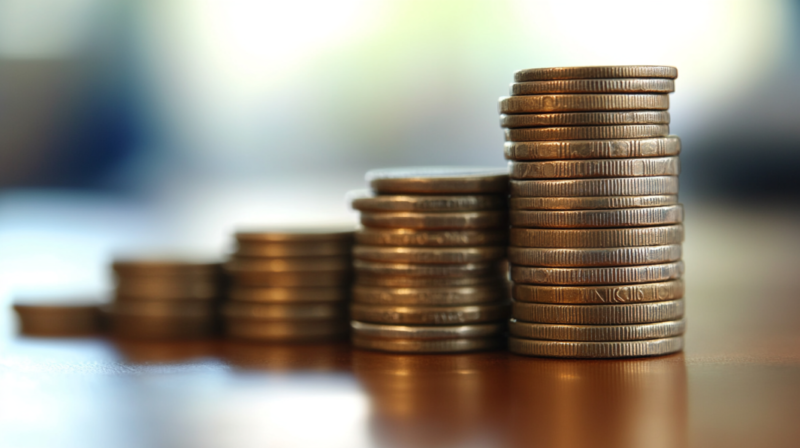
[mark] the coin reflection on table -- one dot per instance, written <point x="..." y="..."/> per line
<point x="604" y="403"/>
<point x="422" y="401"/>
<point x="287" y="356"/>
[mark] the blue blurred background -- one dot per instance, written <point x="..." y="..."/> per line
<point x="163" y="125"/>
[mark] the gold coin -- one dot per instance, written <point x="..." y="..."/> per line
<point x="400" y="281"/>
<point x="422" y="346"/>
<point x="593" y="149"/>
<point x="597" y="276"/>
<point x="626" y="217"/>
<point x="363" y="200"/>
<point x="587" y="132"/>
<point x="291" y="279"/>
<point x="565" y="238"/>
<point x="439" y="180"/>
<point x="294" y="249"/>
<point x="283" y="311"/>
<point x="646" y="292"/>
<point x="616" y="314"/>
<point x="596" y="333"/>
<point x="282" y="265"/>
<point x="160" y="327"/>
<point x="435" y="221"/>
<point x="606" y="256"/>
<point x="58" y="319"/>
<point x="290" y="295"/>
<point x="164" y="267"/>
<point x="165" y="288"/>
<point x="296" y="235"/>
<point x="429" y="296"/>
<point x="583" y="102"/>
<point x="623" y="186"/>
<point x="437" y="332"/>
<point x="426" y="270"/>
<point x="584" y="119"/>
<point x="161" y="308"/>
<point x="624" y="349"/>
<point x="286" y="330"/>
<point x="571" y="169"/>
<point x="429" y="315"/>
<point x="609" y="71"/>
<point x="592" y="202"/>
<point x="430" y="238"/>
<point x="619" y="85"/>
<point x="434" y="255"/>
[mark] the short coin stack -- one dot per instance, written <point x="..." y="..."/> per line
<point x="429" y="260"/>
<point x="289" y="285"/>
<point x="595" y="244"/>
<point x="164" y="299"/>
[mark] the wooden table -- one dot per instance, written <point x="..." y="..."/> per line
<point x="736" y="385"/>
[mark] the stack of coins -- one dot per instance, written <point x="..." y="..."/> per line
<point x="164" y="299"/>
<point x="289" y="285"/>
<point x="429" y="261"/>
<point x="76" y="318"/>
<point x="595" y="244"/>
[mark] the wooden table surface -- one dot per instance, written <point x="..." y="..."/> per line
<point x="736" y="385"/>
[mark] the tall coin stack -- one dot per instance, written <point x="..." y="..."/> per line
<point x="595" y="243"/>
<point x="430" y="275"/>
<point x="164" y="299"/>
<point x="289" y="285"/>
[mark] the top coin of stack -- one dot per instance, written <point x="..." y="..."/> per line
<point x="289" y="284"/>
<point x="164" y="298"/>
<point x="596" y="225"/>
<point x="428" y="261"/>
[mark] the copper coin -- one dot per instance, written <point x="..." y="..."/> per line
<point x="422" y="346"/>
<point x="283" y="311"/>
<point x="593" y="149"/>
<point x="161" y="308"/>
<point x="58" y="319"/>
<point x="582" y="257"/>
<point x="164" y="267"/>
<point x="596" y="333"/>
<point x="366" y="201"/>
<point x="616" y="314"/>
<point x="608" y="85"/>
<point x="582" y="102"/>
<point x="627" y="217"/>
<point x="623" y="186"/>
<point x="282" y="265"/>
<point x="307" y="279"/>
<point x="429" y="296"/>
<point x="429" y="315"/>
<point x="625" y="131"/>
<point x="166" y="288"/>
<point x="417" y="332"/>
<point x="294" y="249"/>
<point x="597" y="276"/>
<point x="435" y="221"/>
<point x="401" y="281"/>
<point x="645" y="292"/>
<point x="426" y="270"/>
<point x="608" y="71"/>
<point x="439" y="180"/>
<point x="433" y="255"/>
<point x="584" y="119"/>
<point x="430" y="238"/>
<point x="288" y="295"/>
<point x="592" y="202"/>
<point x="160" y="327"/>
<point x="297" y="234"/>
<point x="585" y="238"/>
<point x="571" y="349"/>
<point x="573" y="169"/>
<point x="317" y="330"/>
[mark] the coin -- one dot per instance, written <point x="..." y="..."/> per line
<point x="291" y="295"/>
<point x="571" y="169"/>
<point x="290" y="279"/>
<point x="439" y="180"/>
<point x="583" y="103"/>
<point x="165" y="288"/>
<point x="597" y="276"/>
<point x="435" y="255"/>
<point x="429" y="296"/>
<point x="400" y="281"/>
<point x="623" y="186"/>
<point x="587" y="132"/>
<point x="286" y="330"/>
<point x="616" y="314"/>
<point x="297" y="234"/>
<point x="437" y="332"/>
<point x="282" y="265"/>
<point x="163" y="267"/>
<point x="607" y="256"/>
<point x="592" y="202"/>
<point x="626" y="217"/>
<point x="609" y="71"/>
<point x="593" y="149"/>
<point x="435" y="221"/>
<point x="584" y="119"/>
<point x="422" y="346"/>
<point x="596" y="333"/>
<point x="294" y="249"/>
<point x="429" y="315"/>
<point x="161" y="308"/>
<point x="565" y="238"/>
<point x="430" y="238"/>
<point x="365" y="201"/>
<point x="646" y="292"/>
<point x="425" y="270"/>
<point x="283" y="311"/>
<point x="150" y="327"/>
<point x="624" y="349"/>
<point x="608" y="85"/>
<point x="58" y="319"/>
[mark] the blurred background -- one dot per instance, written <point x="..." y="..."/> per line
<point x="164" y="125"/>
